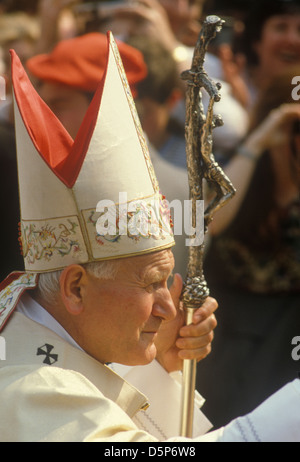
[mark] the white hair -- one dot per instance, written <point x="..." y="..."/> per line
<point x="49" y="283"/>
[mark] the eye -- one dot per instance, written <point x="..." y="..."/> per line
<point x="281" y="26"/>
<point x="149" y="288"/>
<point x="155" y="286"/>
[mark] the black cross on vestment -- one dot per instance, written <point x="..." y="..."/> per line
<point x="46" y="350"/>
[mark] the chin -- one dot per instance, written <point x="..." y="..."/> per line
<point x="142" y="359"/>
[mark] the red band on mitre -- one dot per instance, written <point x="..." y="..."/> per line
<point x="48" y="135"/>
<point x="52" y="141"/>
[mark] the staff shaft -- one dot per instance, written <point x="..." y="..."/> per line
<point x="200" y="165"/>
<point x="188" y="391"/>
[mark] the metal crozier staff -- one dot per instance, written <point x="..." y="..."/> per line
<point x="201" y="165"/>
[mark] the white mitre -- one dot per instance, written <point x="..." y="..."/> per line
<point x="69" y="190"/>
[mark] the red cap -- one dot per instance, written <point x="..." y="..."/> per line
<point x="80" y="63"/>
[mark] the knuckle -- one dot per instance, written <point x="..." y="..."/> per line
<point x="214" y="303"/>
<point x="211" y="337"/>
<point x="206" y="340"/>
<point x="214" y="322"/>
<point x="208" y="350"/>
<point x="205" y="352"/>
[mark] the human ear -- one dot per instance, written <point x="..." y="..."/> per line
<point x="71" y="283"/>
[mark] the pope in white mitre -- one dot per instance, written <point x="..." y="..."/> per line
<point x="91" y="303"/>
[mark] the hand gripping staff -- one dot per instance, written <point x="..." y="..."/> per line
<point x="201" y="166"/>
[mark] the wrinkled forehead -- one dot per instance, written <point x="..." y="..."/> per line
<point x="156" y="265"/>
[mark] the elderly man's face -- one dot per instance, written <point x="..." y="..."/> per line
<point x="123" y="315"/>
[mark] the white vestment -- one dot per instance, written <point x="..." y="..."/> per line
<point x="53" y="391"/>
<point x="163" y="390"/>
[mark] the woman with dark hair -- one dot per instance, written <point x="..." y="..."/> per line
<point x="269" y="44"/>
<point x="253" y="264"/>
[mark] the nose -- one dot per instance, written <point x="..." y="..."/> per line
<point x="163" y="305"/>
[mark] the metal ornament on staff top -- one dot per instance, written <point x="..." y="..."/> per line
<point x="201" y="165"/>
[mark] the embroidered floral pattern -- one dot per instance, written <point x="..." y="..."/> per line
<point x="56" y="237"/>
<point x="11" y="294"/>
<point x="140" y="219"/>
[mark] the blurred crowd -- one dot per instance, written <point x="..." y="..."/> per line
<point x="252" y="260"/>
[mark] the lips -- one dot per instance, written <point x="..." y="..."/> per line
<point x="149" y="335"/>
<point x="151" y="330"/>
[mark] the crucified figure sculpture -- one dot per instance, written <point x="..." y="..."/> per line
<point x="201" y="165"/>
